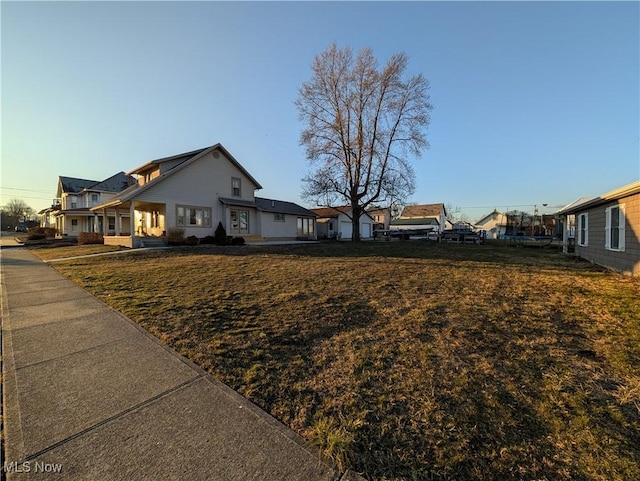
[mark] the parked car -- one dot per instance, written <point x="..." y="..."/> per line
<point x="21" y="227"/>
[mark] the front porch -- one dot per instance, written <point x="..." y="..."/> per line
<point x="136" y="224"/>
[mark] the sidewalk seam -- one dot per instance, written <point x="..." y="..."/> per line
<point x="108" y="420"/>
<point x="87" y="349"/>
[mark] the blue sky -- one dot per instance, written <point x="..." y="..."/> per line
<point x="534" y="102"/>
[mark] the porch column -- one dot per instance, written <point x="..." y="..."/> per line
<point x="117" y="221"/>
<point x="105" y="221"/>
<point x="132" y="219"/>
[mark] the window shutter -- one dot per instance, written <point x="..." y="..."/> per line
<point x="621" y="228"/>
<point x="607" y="228"/>
<point x="586" y="229"/>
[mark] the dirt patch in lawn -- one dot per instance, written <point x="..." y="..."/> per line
<point x="407" y="361"/>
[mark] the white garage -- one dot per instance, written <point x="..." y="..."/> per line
<point x="330" y="218"/>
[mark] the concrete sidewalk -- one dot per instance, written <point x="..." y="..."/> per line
<point x="89" y="395"/>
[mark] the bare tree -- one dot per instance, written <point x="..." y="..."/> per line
<point x="14" y="211"/>
<point x="361" y="125"/>
<point x="18" y="208"/>
<point x="455" y="214"/>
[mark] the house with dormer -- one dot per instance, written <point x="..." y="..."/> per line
<point x="194" y="192"/>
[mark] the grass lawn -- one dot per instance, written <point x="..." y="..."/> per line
<point x="47" y="252"/>
<point x="407" y="360"/>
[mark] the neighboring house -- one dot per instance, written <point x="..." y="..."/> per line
<point x="462" y="225"/>
<point x="607" y="229"/>
<point x="195" y="191"/>
<point x="422" y="217"/>
<point x="381" y="217"/>
<point x="494" y="224"/>
<point x="72" y="212"/>
<point x="335" y="223"/>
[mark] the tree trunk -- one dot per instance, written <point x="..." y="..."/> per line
<point x="356" y="212"/>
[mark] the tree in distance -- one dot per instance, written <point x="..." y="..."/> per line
<point x="361" y="125"/>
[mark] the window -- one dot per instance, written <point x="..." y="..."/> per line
<point x="111" y="223"/>
<point x="191" y="216"/>
<point x="614" y="228"/>
<point x="74" y="225"/>
<point x="583" y="230"/>
<point x="235" y="187"/>
<point x="278" y="217"/>
<point x="74" y="202"/>
<point x="94" y="199"/>
<point x="305" y="227"/>
<point x="239" y="221"/>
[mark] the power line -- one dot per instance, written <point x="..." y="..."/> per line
<point x="26" y="190"/>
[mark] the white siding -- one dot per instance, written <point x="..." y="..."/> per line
<point x="278" y="230"/>
<point x="200" y="184"/>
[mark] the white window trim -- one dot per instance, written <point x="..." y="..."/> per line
<point x="621" y="228"/>
<point x="586" y="229"/>
<point x="206" y="216"/>
<point x="239" y="194"/>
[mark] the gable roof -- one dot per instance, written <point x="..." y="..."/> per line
<point x="188" y="158"/>
<point x="136" y="189"/>
<point x="587" y="202"/>
<point x="422" y="211"/>
<point x="494" y="214"/>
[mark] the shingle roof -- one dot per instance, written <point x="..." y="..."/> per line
<point x="270" y="205"/>
<point x="73" y="185"/>
<point x="184" y="157"/>
<point x="282" y="207"/>
<point x="331" y="211"/>
<point x="115" y="183"/>
<point x="422" y="211"/>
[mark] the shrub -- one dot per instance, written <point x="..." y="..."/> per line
<point x="175" y="236"/>
<point x="220" y="235"/>
<point x="237" y="241"/>
<point x="36" y="233"/>
<point x="208" y="240"/>
<point x="191" y="240"/>
<point x="90" y="238"/>
<point x="50" y="232"/>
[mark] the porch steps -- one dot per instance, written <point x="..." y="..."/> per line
<point x="253" y="238"/>
<point x="152" y="242"/>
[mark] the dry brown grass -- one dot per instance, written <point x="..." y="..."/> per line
<point x="408" y="361"/>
